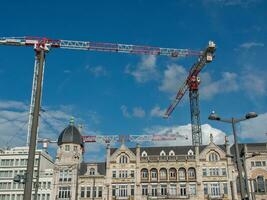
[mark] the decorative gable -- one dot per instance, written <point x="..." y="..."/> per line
<point x="162" y="153"/>
<point x="171" y="153"/>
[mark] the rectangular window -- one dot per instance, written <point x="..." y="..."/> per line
<point x="204" y="172"/>
<point x="17" y="162"/>
<point x="67" y="147"/>
<point x="263" y="163"/>
<point x="132" y="190"/>
<point x="99" y="191"/>
<point x="65" y="175"/>
<point x="163" y="190"/>
<point x="192" y="189"/>
<point x="215" y="189"/>
<point x="132" y="173"/>
<point x="88" y="192"/>
<point x="225" y="188"/>
<point x="48" y="197"/>
<point x="144" y="190"/>
<point x="224" y="172"/>
<point x="64" y="192"/>
<point x="183" y="189"/>
<point x="123" y="190"/>
<point x="173" y="190"/>
<point x="94" y="191"/>
<point x="252" y="164"/>
<point x="153" y="174"/>
<point x="82" y="192"/>
<point x="113" y="174"/>
<point x="258" y="163"/>
<point x="154" y="191"/>
<point x="206" y="189"/>
<point x="144" y="174"/>
<point x="113" y="190"/>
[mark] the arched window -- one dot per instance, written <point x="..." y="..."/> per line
<point x="154" y="174"/>
<point x="182" y="174"/>
<point x="260" y="184"/>
<point x="92" y="171"/>
<point x="163" y="173"/>
<point x="123" y="159"/>
<point x="191" y="173"/>
<point x="162" y="153"/>
<point x="144" y="154"/>
<point x="172" y="173"/>
<point x="213" y="157"/>
<point x="144" y="174"/>
<point x="171" y="153"/>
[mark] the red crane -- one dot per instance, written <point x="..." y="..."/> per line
<point x="192" y="83"/>
<point x="43" y="45"/>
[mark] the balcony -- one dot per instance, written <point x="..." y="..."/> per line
<point x="167" y="158"/>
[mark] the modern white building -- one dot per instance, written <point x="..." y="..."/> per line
<point x="14" y="162"/>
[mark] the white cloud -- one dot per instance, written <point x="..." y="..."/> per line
<point x="174" y="76"/>
<point x="145" y="70"/>
<point x="157" y="112"/>
<point x="66" y="71"/>
<point x="248" y="45"/>
<point x="97" y="71"/>
<point x="14" y="125"/>
<point x="243" y="3"/>
<point x="209" y="88"/>
<point x="186" y="134"/>
<point x="124" y="111"/>
<point x="139" y="112"/>
<point x="254" y="129"/>
<point x="254" y="83"/>
<point x="13" y="105"/>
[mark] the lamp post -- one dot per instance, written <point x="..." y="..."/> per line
<point x="233" y="121"/>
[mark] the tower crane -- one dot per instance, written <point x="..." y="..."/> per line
<point x="111" y="139"/>
<point x="41" y="47"/>
<point x="192" y="83"/>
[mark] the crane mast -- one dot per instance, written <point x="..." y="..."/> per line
<point x="192" y="84"/>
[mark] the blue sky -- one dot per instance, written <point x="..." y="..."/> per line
<point x="113" y="93"/>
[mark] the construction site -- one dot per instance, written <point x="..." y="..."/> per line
<point x="95" y="125"/>
<point x="165" y="172"/>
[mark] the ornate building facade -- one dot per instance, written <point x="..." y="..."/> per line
<point x="141" y="173"/>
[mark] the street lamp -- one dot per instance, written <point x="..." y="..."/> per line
<point x="233" y="121"/>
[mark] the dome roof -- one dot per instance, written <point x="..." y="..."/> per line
<point x="71" y="134"/>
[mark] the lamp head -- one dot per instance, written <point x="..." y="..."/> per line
<point x="251" y="115"/>
<point x="213" y="116"/>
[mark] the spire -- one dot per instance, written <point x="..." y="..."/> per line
<point x="211" y="138"/>
<point x="71" y="121"/>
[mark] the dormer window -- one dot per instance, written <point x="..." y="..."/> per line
<point x="162" y="153"/>
<point x="144" y="154"/>
<point x="92" y="171"/>
<point x="190" y="153"/>
<point x="123" y="159"/>
<point x="67" y="147"/>
<point x="171" y="153"/>
<point x="213" y="156"/>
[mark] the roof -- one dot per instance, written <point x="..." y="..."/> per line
<point x="251" y="147"/>
<point x="178" y="150"/>
<point x="70" y="135"/>
<point x="101" y="168"/>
